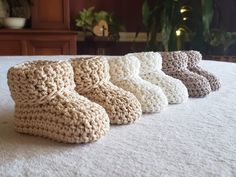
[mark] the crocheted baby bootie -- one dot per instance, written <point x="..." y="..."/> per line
<point x="175" y="64"/>
<point x="47" y="105"/>
<point x="194" y="58"/>
<point x="92" y="80"/>
<point x="151" y="65"/>
<point x="125" y="74"/>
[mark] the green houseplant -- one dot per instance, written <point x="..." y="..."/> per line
<point x="163" y="17"/>
<point x="88" y="18"/>
<point x="177" y="22"/>
<point x="206" y="38"/>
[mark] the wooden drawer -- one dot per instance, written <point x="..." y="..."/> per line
<point x="12" y="47"/>
<point x="32" y="42"/>
<point x="48" y="47"/>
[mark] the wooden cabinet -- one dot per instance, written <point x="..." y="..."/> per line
<point x="37" y="42"/>
<point x="50" y="34"/>
<point x="11" y="47"/>
<point x="51" y="14"/>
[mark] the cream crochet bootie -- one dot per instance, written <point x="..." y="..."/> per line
<point x="47" y="105"/>
<point x="194" y="58"/>
<point x="175" y="64"/>
<point x="151" y="65"/>
<point x="125" y="74"/>
<point x="92" y="80"/>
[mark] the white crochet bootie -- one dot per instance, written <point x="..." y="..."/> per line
<point x="47" y="105"/>
<point x="151" y="65"/>
<point x="125" y="74"/>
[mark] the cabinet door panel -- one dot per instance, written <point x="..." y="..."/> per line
<point x="50" y="14"/>
<point x="48" y="47"/>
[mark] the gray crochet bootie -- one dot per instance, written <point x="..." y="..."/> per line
<point x="92" y="80"/>
<point x="47" y="105"/>
<point x="175" y="64"/>
<point x="194" y="58"/>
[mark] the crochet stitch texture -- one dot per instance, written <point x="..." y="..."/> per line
<point x="194" y="58"/>
<point x="151" y="65"/>
<point x="175" y="64"/>
<point x="93" y="81"/>
<point x="125" y="74"/>
<point x="47" y="105"/>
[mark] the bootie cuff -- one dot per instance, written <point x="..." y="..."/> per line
<point x="174" y="61"/>
<point x="149" y="61"/>
<point x="124" y="67"/>
<point x="194" y="57"/>
<point x="39" y="81"/>
<point x="90" y="72"/>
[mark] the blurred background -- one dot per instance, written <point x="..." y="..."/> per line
<point x="118" y="27"/>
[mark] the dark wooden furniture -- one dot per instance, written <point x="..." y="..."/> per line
<point x="37" y="42"/>
<point x="51" y="14"/>
<point x="98" y="45"/>
<point x="108" y="47"/>
<point x="50" y="33"/>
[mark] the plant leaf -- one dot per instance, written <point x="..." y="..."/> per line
<point x="102" y="15"/>
<point x="207" y="14"/>
<point x="146" y="14"/>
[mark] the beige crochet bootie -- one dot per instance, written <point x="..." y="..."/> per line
<point x="194" y="58"/>
<point x="92" y="80"/>
<point x="47" y="105"/>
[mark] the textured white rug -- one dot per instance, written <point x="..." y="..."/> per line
<point x="193" y="139"/>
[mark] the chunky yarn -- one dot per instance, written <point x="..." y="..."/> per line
<point x="194" y="58"/>
<point x="125" y="74"/>
<point x="92" y="80"/>
<point x="151" y="65"/>
<point x="175" y="64"/>
<point x="47" y="105"/>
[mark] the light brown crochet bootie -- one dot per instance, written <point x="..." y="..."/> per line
<point x="47" y="105"/>
<point x="92" y="80"/>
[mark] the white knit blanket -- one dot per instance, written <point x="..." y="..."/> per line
<point x="196" y="139"/>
